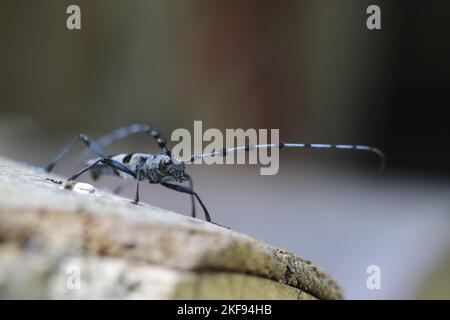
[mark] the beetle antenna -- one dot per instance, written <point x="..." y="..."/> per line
<point x="226" y="151"/>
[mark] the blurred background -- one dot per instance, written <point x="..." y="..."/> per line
<point x="310" y="68"/>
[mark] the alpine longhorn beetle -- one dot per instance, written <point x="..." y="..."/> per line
<point x="162" y="168"/>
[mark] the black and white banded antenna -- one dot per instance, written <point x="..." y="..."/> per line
<point x="282" y="145"/>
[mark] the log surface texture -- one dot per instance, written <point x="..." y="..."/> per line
<point x="87" y="243"/>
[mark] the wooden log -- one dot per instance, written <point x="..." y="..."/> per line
<point x="87" y="243"/>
